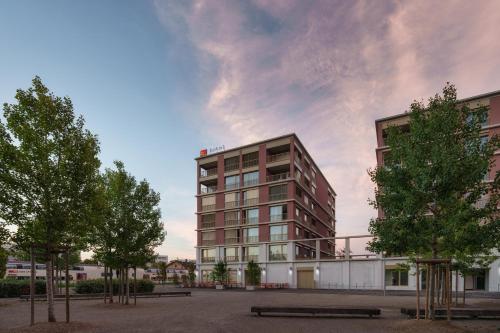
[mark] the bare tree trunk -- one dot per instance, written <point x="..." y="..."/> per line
<point x="456" y="288"/>
<point x="111" y="289"/>
<point x="50" y="291"/>
<point x="135" y="285"/>
<point x="463" y="300"/>
<point x="438" y="285"/>
<point x="105" y="282"/>
<point x="127" y="286"/>
<point x="120" y="286"/>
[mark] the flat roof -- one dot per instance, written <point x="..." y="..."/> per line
<point x="467" y="99"/>
<point x="268" y="140"/>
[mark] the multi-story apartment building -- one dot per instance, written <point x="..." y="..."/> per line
<point x="254" y="200"/>
<point x="490" y="127"/>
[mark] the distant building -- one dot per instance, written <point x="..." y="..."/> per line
<point x="162" y="258"/>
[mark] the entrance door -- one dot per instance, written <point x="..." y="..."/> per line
<point x="305" y="278"/>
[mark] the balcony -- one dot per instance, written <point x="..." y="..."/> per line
<point x="208" y="172"/>
<point x="231" y="223"/>
<point x="250" y="220"/>
<point x="278" y="177"/>
<point x="250" y="202"/>
<point x="250" y="182"/>
<point x="278" y="196"/>
<point x="207" y="259"/>
<point x="251" y="239"/>
<point x="231" y="166"/>
<point x="207" y="207"/>
<point x="251" y="257"/>
<point x="278" y="157"/>
<point x="231" y="186"/>
<point x="277" y="256"/>
<point x="278" y="237"/>
<point x="231" y="204"/>
<point x="208" y="189"/>
<point x="250" y="163"/>
<point x="231" y="258"/>
<point x="278" y="217"/>
<point x="233" y="240"/>
<point x="208" y="242"/>
<point x="206" y="225"/>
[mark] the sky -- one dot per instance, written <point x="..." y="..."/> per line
<point x="159" y="80"/>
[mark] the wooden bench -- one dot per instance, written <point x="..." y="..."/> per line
<point x="277" y="310"/>
<point x="97" y="296"/>
<point x="471" y="313"/>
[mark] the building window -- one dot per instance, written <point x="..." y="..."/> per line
<point x="278" y="232"/>
<point x="208" y="238"/>
<point x="396" y="277"/>
<point x="251" y="253"/>
<point x="251" y="216"/>
<point x="232" y="218"/>
<point x="208" y="203"/>
<point x="278" y="213"/>
<point x="313" y="189"/>
<point x="251" y="159"/>
<point x="232" y="163"/>
<point x="231" y="236"/>
<point x="250" y="178"/>
<point x="231" y="254"/>
<point x="251" y="197"/>
<point x="251" y="235"/>
<point x="298" y="192"/>
<point x="277" y="252"/>
<point x="298" y="175"/>
<point x="232" y="200"/>
<point x="297" y="232"/>
<point x="279" y="192"/>
<point x="208" y="221"/>
<point x="208" y="255"/>
<point x="232" y="182"/>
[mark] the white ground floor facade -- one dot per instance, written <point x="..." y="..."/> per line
<point x="367" y="271"/>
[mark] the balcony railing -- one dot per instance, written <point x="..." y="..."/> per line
<point x="231" y="186"/>
<point x="250" y="182"/>
<point x="207" y="259"/>
<point x="207" y="207"/>
<point x="206" y="225"/>
<point x="278" y="217"/>
<point x="250" y="163"/>
<point x="251" y="257"/>
<point x="231" y="258"/>
<point x="250" y="202"/>
<point x="208" y="189"/>
<point x="208" y="242"/>
<point x="208" y="172"/>
<point x="278" y="176"/>
<point x="230" y="223"/>
<point x="251" y="239"/>
<point x="279" y="237"/>
<point x="231" y="204"/>
<point x="278" y="196"/>
<point x="277" y="256"/>
<point x="250" y="220"/>
<point x="278" y="157"/>
<point x="233" y="240"/>
<point x="231" y="166"/>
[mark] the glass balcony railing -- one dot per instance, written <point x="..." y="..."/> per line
<point x="278" y="157"/>
<point x="250" y="182"/>
<point x="278" y="176"/>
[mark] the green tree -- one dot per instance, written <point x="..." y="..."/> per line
<point x="48" y="172"/>
<point x="162" y="268"/>
<point x="253" y="272"/>
<point x="220" y="273"/>
<point x="175" y="279"/>
<point x="4" y="253"/>
<point x="431" y="188"/>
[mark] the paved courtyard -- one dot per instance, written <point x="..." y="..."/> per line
<point x="229" y="311"/>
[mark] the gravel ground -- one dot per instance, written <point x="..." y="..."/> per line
<point x="229" y="311"/>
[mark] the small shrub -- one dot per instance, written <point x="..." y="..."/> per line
<point x="16" y="288"/>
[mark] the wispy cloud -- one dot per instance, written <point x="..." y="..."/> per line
<point x="327" y="69"/>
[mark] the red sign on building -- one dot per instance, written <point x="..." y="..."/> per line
<point x="203" y="152"/>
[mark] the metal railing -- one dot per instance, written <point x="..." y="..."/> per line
<point x="231" y="222"/>
<point x="231" y="258"/>
<point x="250" y="163"/>
<point x="231" y="166"/>
<point x="206" y="225"/>
<point x="278" y="196"/>
<point x="231" y="204"/>
<point x="278" y="217"/>
<point x="251" y="239"/>
<point x="232" y="240"/>
<point x="278" y="176"/>
<point x="250" y="182"/>
<point x="251" y="257"/>
<point x="207" y="259"/>
<point x="208" y="242"/>
<point x="249" y="202"/>
<point x="231" y="186"/>
<point x="208" y="172"/>
<point x="277" y="256"/>
<point x="250" y="220"/>
<point x="278" y="237"/>
<point x="278" y="157"/>
<point x="208" y="207"/>
<point x="208" y="189"/>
